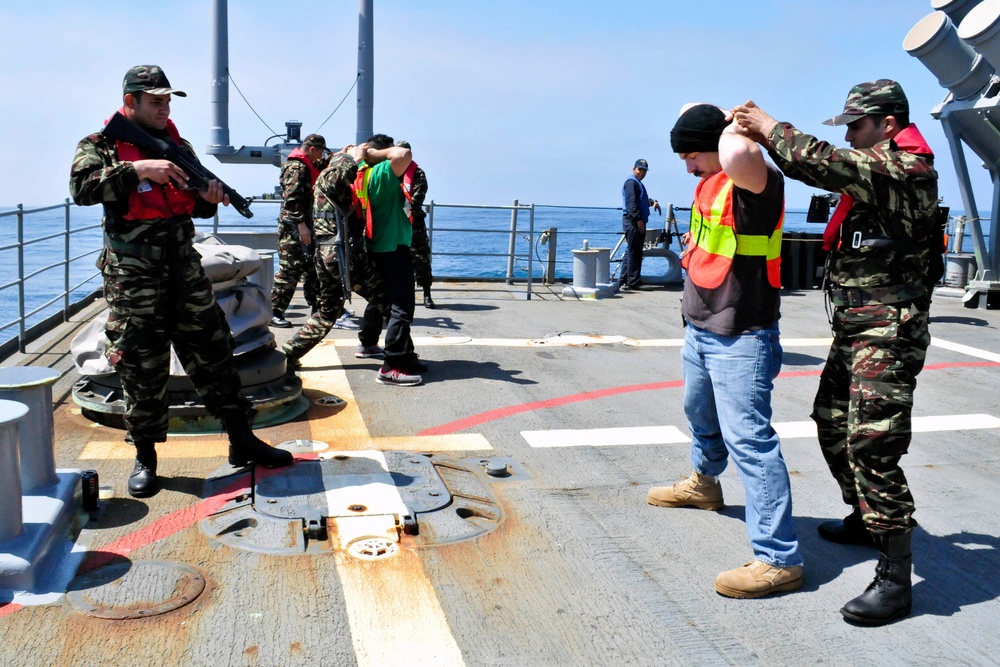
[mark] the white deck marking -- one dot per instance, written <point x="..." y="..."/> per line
<point x="401" y="583"/>
<point x="658" y="435"/>
<point x="964" y="349"/>
<point x="603" y="437"/>
<point x="567" y="341"/>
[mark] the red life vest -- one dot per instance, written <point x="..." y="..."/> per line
<point x="300" y="156"/>
<point x="360" y="191"/>
<point x="908" y="139"/>
<point x="152" y="201"/>
<point x="714" y="241"/>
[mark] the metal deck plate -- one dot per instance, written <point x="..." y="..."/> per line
<point x="342" y="498"/>
<point x="134" y="589"/>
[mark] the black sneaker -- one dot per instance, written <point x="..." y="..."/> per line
<point x="369" y="352"/>
<point x="398" y="377"/>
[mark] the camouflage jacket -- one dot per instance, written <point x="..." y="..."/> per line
<point x="332" y="191"/>
<point x="417" y="194"/>
<point x="296" y="193"/>
<point x="895" y="205"/>
<point x="99" y="177"/>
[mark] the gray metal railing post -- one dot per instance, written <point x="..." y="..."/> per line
<point x="531" y="241"/>
<point x="550" y="268"/>
<point x="430" y="227"/>
<point x="66" y="256"/>
<point x="21" y="344"/>
<point x="511" y="244"/>
<point x="215" y="223"/>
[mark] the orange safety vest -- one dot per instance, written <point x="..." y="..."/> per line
<point x="153" y="201"/>
<point x="714" y="242"/>
<point x="360" y="190"/>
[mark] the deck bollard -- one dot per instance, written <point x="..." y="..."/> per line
<point x="603" y="262"/>
<point x="32" y="386"/>
<point x="585" y="267"/>
<point x="10" y="470"/>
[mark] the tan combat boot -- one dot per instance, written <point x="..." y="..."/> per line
<point x="757" y="579"/>
<point x="701" y="491"/>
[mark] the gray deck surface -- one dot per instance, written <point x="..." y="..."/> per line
<point x="581" y="570"/>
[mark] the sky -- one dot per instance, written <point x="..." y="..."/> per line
<point x="549" y="102"/>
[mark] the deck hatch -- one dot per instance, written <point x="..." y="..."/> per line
<point x="362" y="502"/>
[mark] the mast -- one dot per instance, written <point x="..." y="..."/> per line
<point x="366" y="70"/>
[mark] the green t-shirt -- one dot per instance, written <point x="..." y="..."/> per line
<point x="391" y="227"/>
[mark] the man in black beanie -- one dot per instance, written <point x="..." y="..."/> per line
<point x="635" y="213"/>
<point x="731" y="350"/>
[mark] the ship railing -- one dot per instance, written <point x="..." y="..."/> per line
<point x="518" y="248"/>
<point x="41" y="306"/>
<point x="69" y="263"/>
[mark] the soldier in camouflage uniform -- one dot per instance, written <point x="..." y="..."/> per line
<point x="332" y="198"/>
<point x="885" y="244"/>
<point x="295" y="228"/>
<point x="156" y="290"/>
<point x="420" y="247"/>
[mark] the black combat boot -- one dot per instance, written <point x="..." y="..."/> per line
<point x="142" y="481"/>
<point x="246" y="448"/>
<point x="428" y="301"/>
<point x="850" y="530"/>
<point x="889" y="596"/>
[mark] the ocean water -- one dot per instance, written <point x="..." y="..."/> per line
<point x="467" y="242"/>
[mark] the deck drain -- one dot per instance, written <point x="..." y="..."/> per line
<point x="373" y="548"/>
<point x="331" y="400"/>
<point x="134" y="589"/>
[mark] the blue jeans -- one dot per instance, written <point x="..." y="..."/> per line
<point x="727" y="400"/>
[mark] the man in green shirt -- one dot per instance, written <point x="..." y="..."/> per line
<point x="389" y="234"/>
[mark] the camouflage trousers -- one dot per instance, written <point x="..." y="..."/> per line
<point x="153" y="304"/>
<point x="420" y="253"/>
<point x="293" y="265"/>
<point x="330" y="304"/>
<point x="863" y="405"/>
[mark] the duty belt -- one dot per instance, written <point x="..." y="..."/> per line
<point x="324" y="215"/>
<point x="854" y="297"/>
<point x="152" y="252"/>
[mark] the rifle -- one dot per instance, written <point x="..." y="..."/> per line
<point x="343" y="255"/>
<point x="121" y="128"/>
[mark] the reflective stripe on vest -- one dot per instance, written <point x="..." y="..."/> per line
<point x="714" y="242"/>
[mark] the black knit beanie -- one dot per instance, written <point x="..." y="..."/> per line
<point x="698" y="130"/>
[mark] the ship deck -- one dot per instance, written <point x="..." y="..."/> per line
<point x="584" y="399"/>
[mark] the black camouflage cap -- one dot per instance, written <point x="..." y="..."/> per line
<point x="883" y="98"/>
<point x="148" y="79"/>
<point x="641" y="164"/>
<point x="404" y="144"/>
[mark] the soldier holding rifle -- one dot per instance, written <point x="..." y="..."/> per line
<point x="154" y="284"/>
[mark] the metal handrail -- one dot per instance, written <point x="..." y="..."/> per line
<point x="69" y="259"/>
<point x="25" y="333"/>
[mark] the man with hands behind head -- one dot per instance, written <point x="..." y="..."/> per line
<point x="731" y="350"/>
